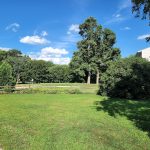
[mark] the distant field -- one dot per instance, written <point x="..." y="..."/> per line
<point x="84" y="88"/>
<point x="72" y="122"/>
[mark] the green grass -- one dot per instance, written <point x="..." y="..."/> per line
<point x="62" y="87"/>
<point x="71" y="122"/>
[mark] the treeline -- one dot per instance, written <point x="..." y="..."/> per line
<point x="23" y="69"/>
<point x="18" y="68"/>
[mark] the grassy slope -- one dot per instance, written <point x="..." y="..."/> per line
<point x="60" y="122"/>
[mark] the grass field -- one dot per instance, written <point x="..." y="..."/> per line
<point x="72" y="122"/>
<point x="61" y="87"/>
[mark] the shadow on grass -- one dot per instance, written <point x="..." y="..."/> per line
<point x="136" y="111"/>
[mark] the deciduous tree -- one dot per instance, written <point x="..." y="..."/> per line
<point x="6" y="77"/>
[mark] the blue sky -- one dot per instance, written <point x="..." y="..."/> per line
<point x="48" y="29"/>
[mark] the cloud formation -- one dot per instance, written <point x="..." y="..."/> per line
<point x="34" y="40"/>
<point x="72" y="35"/>
<point x="143" y="37"/>
<point x="126" y="28"/>
<point x="13" y="27"/>
<point x="116" y="18"/>
<point x="55" y="55"/>
<point x="44" y="33"/>
<point x="51" y="50"/>
<point x="73" y="28"/>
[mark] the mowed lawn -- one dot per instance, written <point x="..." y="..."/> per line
<point x="70" y="122"/>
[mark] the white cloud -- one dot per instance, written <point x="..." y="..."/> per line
<point x="73" y="28"/>
<point x="143" y="37"/>
<point x="5" y="48"/>
<point x="117" y="15"/>
<point x="58" y="60"/>
<point x="13" y="27"/>
<point x="51" y="50"/>
<point x="52" y="54"/>
<point x="72" y="34"/>
<point x="126" y="28"/>
<point x="116" y="18"/>
<point x="34" y="40"/>
<point x="44" y="33"/>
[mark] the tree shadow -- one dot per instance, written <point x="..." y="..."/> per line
<point x="136" y="111"/>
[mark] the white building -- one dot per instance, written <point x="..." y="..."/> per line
<point x="145" y="53"/>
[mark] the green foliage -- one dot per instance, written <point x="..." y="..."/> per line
<point x="87" y="45"/>
<point x="6" y="75"/>
<point x="94" y="51"/>
<point x="14" y="53"/>
<point x="11" y="53"/>
<point x="74" y="91"/>
<point x="3" y="55"/>
<point x="40" y="73"/>
<point x="127" y="78"/>
<point x="21" y="67"/>
<point x="77" y="69"/>
<point x="58" y="74"/>
<point x="8" y="89"/>
<point x="141" y="8"/>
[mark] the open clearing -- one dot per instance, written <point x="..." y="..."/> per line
<point x="72" y="122"/>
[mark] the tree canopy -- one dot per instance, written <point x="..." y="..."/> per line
<point x="6" y="77"/>
<point x="127" y="78"/>
<point x="94" y="50"/>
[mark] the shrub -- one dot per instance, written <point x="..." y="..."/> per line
<point x="8" y="89"/>
<point x="74" y="91"/>
<point x="127" y="78"/>
<point x="6" y="80"/>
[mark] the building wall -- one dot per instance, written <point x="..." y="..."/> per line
<point x="146" y="55"/>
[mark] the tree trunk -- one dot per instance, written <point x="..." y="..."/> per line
<point x="89" y="78"/>
<point x="97" y="77"/>
<point x="18" y="78"/>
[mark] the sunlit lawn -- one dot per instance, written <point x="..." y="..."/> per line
<point x="72" y="122"/>
<point x="83" y="88"/>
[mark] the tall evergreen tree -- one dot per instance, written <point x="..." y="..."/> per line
<point x="77" y="68"/>
<point x="87" y="45"/>
<point x="96" y="48"/>
<point x="104" y="50"/>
